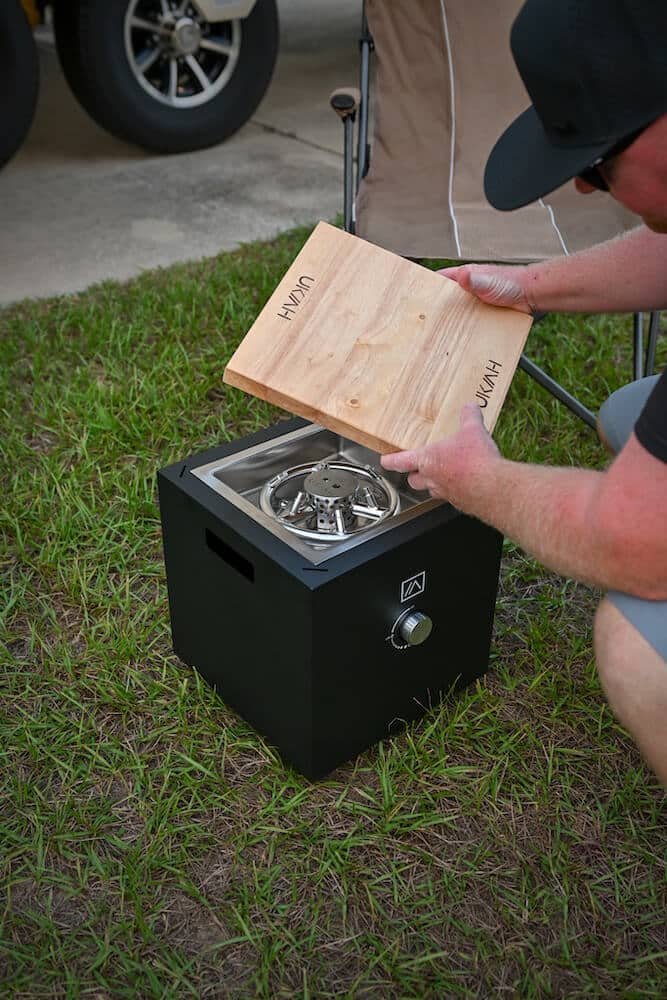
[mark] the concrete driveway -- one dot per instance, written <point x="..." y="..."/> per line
<point x="78" y="206"/>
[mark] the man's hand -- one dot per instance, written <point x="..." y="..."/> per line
<point x="495" y="285"/>
<point x="452" y="469"/>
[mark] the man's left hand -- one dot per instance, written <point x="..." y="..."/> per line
<point x="452" y="469"/>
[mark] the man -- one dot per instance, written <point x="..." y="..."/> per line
<point x="596" y="72"/>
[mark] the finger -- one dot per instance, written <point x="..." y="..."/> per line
<point x="418" y="482"/>
<point x="454" y="273"/>
<point x="400" y="461"/>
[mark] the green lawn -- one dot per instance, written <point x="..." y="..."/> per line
<point x="512" y="843"/>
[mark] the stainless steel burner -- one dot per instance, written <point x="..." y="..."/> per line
<point x="328" y="501"/>
<point x="280" y="484"/>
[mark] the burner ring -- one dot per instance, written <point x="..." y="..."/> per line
<point x="328" y="501"/>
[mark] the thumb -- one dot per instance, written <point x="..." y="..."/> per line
<point x="496" y="289"/>
<point x="471" y="416"/>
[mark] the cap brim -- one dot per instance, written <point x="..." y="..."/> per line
<point x="524" y="165"/>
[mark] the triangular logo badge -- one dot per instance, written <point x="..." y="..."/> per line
<point x="413" y="586"/>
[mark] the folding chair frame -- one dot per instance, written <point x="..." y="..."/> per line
<point x="347" y="102"/>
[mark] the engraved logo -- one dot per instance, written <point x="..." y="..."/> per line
<point x="487" y="385"/>
<point x="413" y="586"/>
<point x="296" y="296"/>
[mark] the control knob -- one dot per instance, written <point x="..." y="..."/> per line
<point x="415" y="628"/>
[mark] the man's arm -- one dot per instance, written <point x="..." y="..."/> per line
<point x="605" y="528"/>
<point x="626" y="274"/>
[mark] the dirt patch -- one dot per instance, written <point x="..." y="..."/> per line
<point x="66" y="908"/>
<point x="43" y="442"/>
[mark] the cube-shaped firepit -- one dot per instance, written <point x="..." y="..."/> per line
<point x="324" y="599"/>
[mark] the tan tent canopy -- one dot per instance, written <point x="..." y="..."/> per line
<point x="445" y="88"/>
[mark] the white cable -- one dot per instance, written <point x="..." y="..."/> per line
<point x="452" y="106"/>
<point x="553" y="223"/>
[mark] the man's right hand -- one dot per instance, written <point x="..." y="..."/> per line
<point x="496" y="285"/>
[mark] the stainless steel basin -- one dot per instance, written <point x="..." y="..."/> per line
<point x="241" y="477"/>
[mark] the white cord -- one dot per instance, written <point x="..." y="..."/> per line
<point x="553" y="223"/>
<point x="452" y="105"/>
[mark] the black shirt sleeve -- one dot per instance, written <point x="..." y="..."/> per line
<point x="651" y="427"/>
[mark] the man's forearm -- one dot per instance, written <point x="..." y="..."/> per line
<point x="627" y="274"/>
<point x="605" y="528"/>
<point x="550" y="512"/>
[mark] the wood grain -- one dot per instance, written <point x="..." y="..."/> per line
<point x="375" y="347"/>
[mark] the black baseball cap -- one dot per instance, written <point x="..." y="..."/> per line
<point x="596" y="71"/>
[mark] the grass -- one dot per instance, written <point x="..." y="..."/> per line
<point x="511" y="843"/>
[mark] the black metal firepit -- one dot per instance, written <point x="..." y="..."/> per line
<point x="326" y="601"/>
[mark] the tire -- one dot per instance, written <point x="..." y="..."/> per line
<point x="100" y="53"/>
<point x="19" y="78"/>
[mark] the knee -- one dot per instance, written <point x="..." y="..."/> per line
<point x="634" y="679"/>
<point x="613" y="644"/>
<point x="627" y="665"/>
<point x="619" y="413"/>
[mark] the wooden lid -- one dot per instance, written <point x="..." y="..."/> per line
<point x="375" y="347"/>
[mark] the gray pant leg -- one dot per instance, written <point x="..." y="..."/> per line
<point x="618" y="414"/>
<point x="617" y="418"/>
<point x="648" y="617"/>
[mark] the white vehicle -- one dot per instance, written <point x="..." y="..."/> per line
<point x="168" y="75"/>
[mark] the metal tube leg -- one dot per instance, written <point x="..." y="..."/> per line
<point x="558" y="391"/>
<point x="366" y="47"/>
<point x="653" y="329"/>
<point x="345" y="102"/>
<point x="637" y="348"/>
<point x="348" y="183"/>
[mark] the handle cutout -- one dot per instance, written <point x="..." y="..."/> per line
<point x="230" y="556"/>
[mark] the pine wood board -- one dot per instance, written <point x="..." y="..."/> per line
<point x="375" y="347"/>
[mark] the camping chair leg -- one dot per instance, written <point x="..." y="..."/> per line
<point x="653" y="328"/>
<point x="558" y="391"/>
<point x="637" y="337"/>
<point x="345" y="102"/>
<point x="348" y="125"/>
<point x="363" y="146"/>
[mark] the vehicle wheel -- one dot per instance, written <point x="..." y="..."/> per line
<point x="19" y="78"/>
<point x="155" y="73"/>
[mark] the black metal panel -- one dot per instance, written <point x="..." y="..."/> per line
<point x="364" y="688"/>
<point x="250" y="639"/>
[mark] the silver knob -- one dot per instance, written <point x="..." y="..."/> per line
<point x="415" y="628"/>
